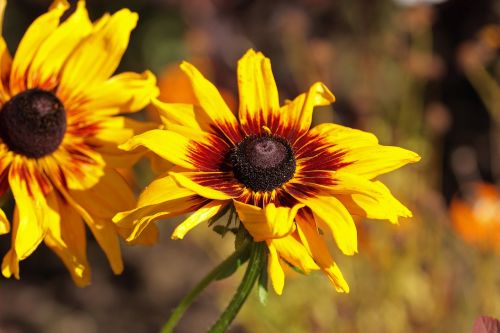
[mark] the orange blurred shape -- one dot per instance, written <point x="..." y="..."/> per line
<point x="490" y="36"/>
<point x="477" y="220"/>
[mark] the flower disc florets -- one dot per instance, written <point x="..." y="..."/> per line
<point x="263" y="163"/>
<point x="33" y="123"/>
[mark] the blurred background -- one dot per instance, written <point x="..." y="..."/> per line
<point x="423" y="75"/>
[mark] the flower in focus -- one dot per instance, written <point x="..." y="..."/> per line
<point x="59" y="134"/>
<point x="477" y="220"/>
<point x="289" y="184"/>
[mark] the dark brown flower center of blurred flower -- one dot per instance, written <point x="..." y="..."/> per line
<point x="33" y="123"/>
<point x="263" y="163"/>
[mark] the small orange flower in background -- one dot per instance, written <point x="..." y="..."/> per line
<point x="60" y="129"/>
<point x="477" y="220"/>
<point x="287" y="182"/>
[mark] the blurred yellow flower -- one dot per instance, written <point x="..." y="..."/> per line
<point x="59" y="135"/>
<point x="287" y="181"/>
<point x="477" y="220"/>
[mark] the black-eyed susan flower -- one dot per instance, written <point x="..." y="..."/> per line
<point x="59" y="132"/>
<point x="291" y="185"/>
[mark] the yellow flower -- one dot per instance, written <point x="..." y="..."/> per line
<point x="289" y="183"/>
<point x="59" y="135"/>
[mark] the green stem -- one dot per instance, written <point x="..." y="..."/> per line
<point x="214" y="274"/>
<point x="255" y="263"/>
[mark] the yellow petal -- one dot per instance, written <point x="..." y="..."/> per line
<point x="5" y="67"/>
<point x="122" y="93"/>
<point x="110" y="195"/>
<point x="345" y="138"/>
<point x="259" y="101"/>
<point x="98" y="56"/>
<point x="184" y="180"/>
<point x="290" y="249"/>
<point x="367" y="198"/>
<point x="34" y="208"/>
<point x="161" y="142"/>
<point x="106" y="235"/>
<point x="317" y="247"/>
<point x="212" y="103"/>
<point x="53" y="52"/>
<point x="275" y="270"/>
<point x="331" y="214"/>
<point x="297" y="115"/>
<point x="162" y="189"/>
<point x="268" y="222"/>
<point x="372" y="161"/>
<point x="178" y="114"/>
<point x="3" y="3"/>
<point x="201" y="215"/>
<point x="37" y="33"/>
<point x="68" y="240"/>
<point x="4" y="223"/>
<point x="148" y="236"/>
<point x="10" y="264"/>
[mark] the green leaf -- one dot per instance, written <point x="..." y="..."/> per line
<point x="262" y="284"/>
<point x="233" y="267"/>
<point x="220" y="214"/>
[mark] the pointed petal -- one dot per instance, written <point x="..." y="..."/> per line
<point x="344" y="137"/>
<point x="98" y="56"/>
<point x="159" y="141"/>
<point x="68" y="240"/>
<point x="213" y="104"/>
<point x="106" y="235"/>
<point x="10" y="265"/>
<point x="268" y="222"/>
<point x="330" y="213"/>
<point x="372" y="161"/>
<point x="4" y="223"/>
<point x="317" y="247"/>
<point x="367" y="198"/>
<point x="201" y="215"/>
<point x="184" y="180"/>
<point x="259" y="101"/>
<point x="56" y="48"/>
<point x="34" y="37"/>
<point x="180" y="114"/>
<point x="275" y="269"/>
<point x="296" y="116"/>
<point x="123" y="93"/>
<point x="290" y="249"/>
<point x="5" y="68"/>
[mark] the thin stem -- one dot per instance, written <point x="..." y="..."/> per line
<point x="214" y="274"/>
<point x="255" y="263"/>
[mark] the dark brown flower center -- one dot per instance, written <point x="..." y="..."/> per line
<point x="263" y="163"/>
<point x="33" y="123"/>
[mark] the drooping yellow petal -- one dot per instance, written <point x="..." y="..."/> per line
<point x="123" y="93"/>
<point x="67" y="239"/>
<point x="167" y="144"/>
<point x="259" y="101"/>
<point x="212" y="103"/>
<point x="38" y="32"/>
<point x="330" y="212"/>
<point x="371" y="161"/>
<point x="44" y="69"/>
<point x="201" y="215"/>
<point x="34" y="207"/>
<point x="184" y="180"/>
<point x="10" y="264"/>
<point x="317" y="247"/>
<point x="297" y="115"/>
<point x="106" y="235"/>
<point x="274" y="269"/>
<point x="4" y="223"/>
<point x="98" y="56"/>
<point x="290" y="249"/>
<point x="268" y="222"/>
